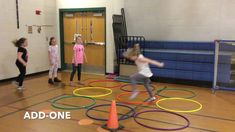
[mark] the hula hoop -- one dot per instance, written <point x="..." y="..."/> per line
<point x="182" y="111"/>
<point x="166" y="89"/>
<point x="53" y="103"/>
<point x="76" y="92"/>
<point x="122" y="88"/>
<point x="118" y="98"/>
<point x="119" y="79"/>
<point x="105" y="80"/>
<point x="103" y="119"/>
<point x="163" y="129"/>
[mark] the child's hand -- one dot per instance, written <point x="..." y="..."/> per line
<point x="25" y="64"/>
<point x="161" y="64"/>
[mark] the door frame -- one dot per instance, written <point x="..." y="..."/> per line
<point x="61" y="24"/>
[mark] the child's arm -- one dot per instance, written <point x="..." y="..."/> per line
<point x="74" y="57"/>
<point x="49" y="56"/>
<point x="19" y="57"/>
<point x="153" y="62"/>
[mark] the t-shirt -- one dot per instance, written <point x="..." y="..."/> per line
<point x="54" y="53"/>
<point x="79" y="56"/>
<point x="143" y="68"/>
<point x="24" y="55"/>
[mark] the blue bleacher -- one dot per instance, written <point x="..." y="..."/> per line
<point x="187" y="60"/>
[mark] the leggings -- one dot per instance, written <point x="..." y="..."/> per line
<point x="78" y="68"/>
<point x="53" y="71"/>
<point x="20" y="78"/>
<point x="140" y="78"/>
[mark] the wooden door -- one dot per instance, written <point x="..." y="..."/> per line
<point x="69" y="31"/>
<point x="92" y="29"/>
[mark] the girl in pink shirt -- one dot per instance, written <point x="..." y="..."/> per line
<point x="78" y="59"/>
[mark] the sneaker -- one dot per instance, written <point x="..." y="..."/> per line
<point x="15" y="83"/>
<point x="57" y="80"/>
<point x="72" y="84"/>
<point x="50" y="81"/>
<point x="20" y="88"/>
<point x="134" y="94"/>
<point x="151" y="99"/>
<point x="81" y="83"/>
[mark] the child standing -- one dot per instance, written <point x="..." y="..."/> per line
<point x="21" y="61"/>
<point x="53" y="54"/>
<point x="78" y="59"/>
<point x="144" y="71"/>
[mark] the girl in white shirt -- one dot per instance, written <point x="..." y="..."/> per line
<point x="144" y="71"/>
<point x="53" y="54"/>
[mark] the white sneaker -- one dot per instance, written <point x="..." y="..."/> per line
<point x="20" y="88"/>
<point x="80" y="83"/>
<point x="72" y="84"/>
<point x="15" y="83"/>
<point x="151" y="99"/>
<point x="134" y="94"/>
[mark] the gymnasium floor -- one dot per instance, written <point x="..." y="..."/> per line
<point x="217" y="114"/>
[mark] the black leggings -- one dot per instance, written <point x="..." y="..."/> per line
<point x="78" y="68"/>
<point x="22" y="69"/>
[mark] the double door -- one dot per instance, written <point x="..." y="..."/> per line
<point x="91" y="25"/>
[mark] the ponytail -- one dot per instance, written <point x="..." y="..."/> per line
<point x="18" y="43"/>
<point x="135" y="51"/>
<point x="15" y="42"/>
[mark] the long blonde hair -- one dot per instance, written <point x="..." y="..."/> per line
<point x="135" y="51"/>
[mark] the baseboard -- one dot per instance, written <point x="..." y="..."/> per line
<point x="155" y="79"/>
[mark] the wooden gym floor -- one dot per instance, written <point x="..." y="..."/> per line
<point x="217" y="114"/>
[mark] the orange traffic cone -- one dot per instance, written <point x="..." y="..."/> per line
<point x="113" y="124"/>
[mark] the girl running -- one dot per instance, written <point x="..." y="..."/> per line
<point x="21" y="61"/>
<point x="144" y="71"/>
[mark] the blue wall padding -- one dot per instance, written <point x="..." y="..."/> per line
<point x="188" y="60"/>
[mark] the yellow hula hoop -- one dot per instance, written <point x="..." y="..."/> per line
<point x="182" y="111"/>
<point x="76" y="92"/>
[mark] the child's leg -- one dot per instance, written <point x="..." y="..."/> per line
<point x="18" y="77"/>
<point x="22" y="70"/>
<point x="79" y="68"/>
<point x="134" y="78"/>
<point x="51" y="69"/>
<point x="72" y="73"/>
<point x="55" y="70"/>
<point x="148" y="87"/>
<point x="19" y="68"/>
